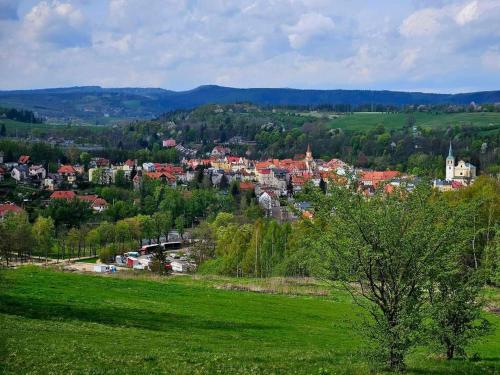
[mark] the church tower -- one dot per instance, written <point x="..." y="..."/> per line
<point x="450" y="165"/>
<point x="309" y="159"/>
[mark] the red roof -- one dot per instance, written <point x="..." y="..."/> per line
<point x="63" y="194"/>
<point x="93" y="199"/>
<point x="66" y="169"/>
<point x="23" y="159"/>
<point x="9" y="207"/>
<point x="264" y="171"/>
<point x="159" y="175"/>
<point x="130" y="162"/>
<point x="378" y="176"/>
<point x="246" y="185"/>
<point x="169" y="143"/>
<point x="101" y="162"/>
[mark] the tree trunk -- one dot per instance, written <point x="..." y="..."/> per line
<point x="450" y="352"/>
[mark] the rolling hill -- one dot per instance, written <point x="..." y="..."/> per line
<point x="94" y="103"/>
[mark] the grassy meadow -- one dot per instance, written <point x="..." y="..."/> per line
<point x="367" y="120"/>
<point x="55" y="322"/>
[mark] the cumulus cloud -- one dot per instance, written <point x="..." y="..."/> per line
<point x="61" y="24"/>
<point x="309" y="26"/>
<point x="179" y="44"/>
<point x="423" y="23"/>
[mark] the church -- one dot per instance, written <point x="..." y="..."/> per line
<point x="462" y="172"/>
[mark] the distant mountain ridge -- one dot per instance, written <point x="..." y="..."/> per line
<point x="94" y="102"/>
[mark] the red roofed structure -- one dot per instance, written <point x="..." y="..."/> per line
<point x="96" y="203"/>
<point x="24" y="159"/>
<point x="373" y="178"/>
<point x="246" y="185"/>
<point x="66" y="170"/>
<point x="63" y="194"/>
<point x="9" y="208"/>
<point x="169" y="143"/>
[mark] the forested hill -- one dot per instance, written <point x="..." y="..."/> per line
<point x="93" y="103"/>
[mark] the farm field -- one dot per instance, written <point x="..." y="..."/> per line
<point x="367" y="120"/>
<point x="54" y="322"/>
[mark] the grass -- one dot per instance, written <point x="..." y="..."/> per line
<point x="367" y="120"/>
<point x="54" y="322"/>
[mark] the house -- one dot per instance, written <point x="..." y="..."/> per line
<point x="220" y="151"/>
<point x="68" y="173"/>
<point x="247" y="186"/>
<point x="268" y="200"/>
<point x="9" y="208"/>
<point x="63" y="194"/>
<point x="374" y="178"/>
<point x="24" y="159"/>
<point x="19" y="173"/>
<point x="148" y="167"/>
<point x="37" y="172"/>
<point x="99" y="162"/>
<point x="169" y="143"/>
<point x="96" y="203"/>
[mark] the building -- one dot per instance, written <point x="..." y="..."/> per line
<point x="63" y="194"/>
<point x="309" y="160"/>
<point x="9" y="208"/>
<point x="68" y="173"/>
<point x="169" y="143"/>
<point x="19" y="173"/>
<point x="463" y="172"/>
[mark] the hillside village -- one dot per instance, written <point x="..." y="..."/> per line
<point x="271" y="180"/>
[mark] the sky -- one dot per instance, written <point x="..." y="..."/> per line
<point x="413" y="45"/>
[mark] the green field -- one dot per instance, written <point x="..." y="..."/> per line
<point x="367" y="120"/>
<point x="54" y="322"/>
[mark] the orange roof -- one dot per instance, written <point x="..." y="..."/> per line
<point x="263" y="164"/>
<point x="159" y="175"/>
<point x="9" y="207"/>
<point x="246" y="185"/>
<point x="307" y="215"/>
<point x="63" y="194"/>
<point x="66" y="169"/>
<point x="88" y="198"/>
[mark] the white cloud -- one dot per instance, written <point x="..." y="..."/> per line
<point x="309" y="26"/>
<point x="468" y="13"/>
<point x="61" y="24"/>
<point x="180" y="44"/>
<point x="422" y="23"/>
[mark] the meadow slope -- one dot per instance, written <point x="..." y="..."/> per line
<point x="54" y="322"/>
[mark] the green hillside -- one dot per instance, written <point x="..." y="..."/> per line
<point x="55" y="322"/>
<point x="367" y="120"/>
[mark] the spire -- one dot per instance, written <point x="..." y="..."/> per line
<point x="450" y="153"/>
<point x="308" y="147"/>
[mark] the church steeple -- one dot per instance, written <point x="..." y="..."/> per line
<point x="450" y="153"/>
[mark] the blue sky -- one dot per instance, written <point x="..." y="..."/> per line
<point x="419" y="45"/>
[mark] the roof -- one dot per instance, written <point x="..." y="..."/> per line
<point x="169" y="143"/>
<point x="6" y="208"/>
<point x="23" y="159"/>
<point x="66" y="169"/>
<point x="93" y="199"/>
<point x="130" y="162"/>
<point x="63" y="194"/>
<point x="246" y="185"/>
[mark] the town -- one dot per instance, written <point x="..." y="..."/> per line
<point x="249" y="187"/>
